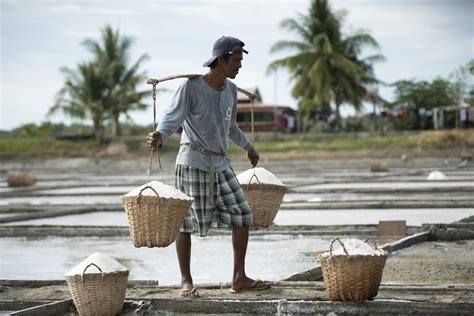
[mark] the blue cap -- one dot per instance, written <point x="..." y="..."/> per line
<point x="225" y="45"/>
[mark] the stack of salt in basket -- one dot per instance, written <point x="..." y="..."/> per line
<point x="98" y="285"/>
<point x="155" y="212"/>
<point x="353" y="271"/>
<point x="264" y="193"/>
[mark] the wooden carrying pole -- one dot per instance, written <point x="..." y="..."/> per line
<point x="190" y="76"/>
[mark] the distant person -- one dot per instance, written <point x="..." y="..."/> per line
<point x="290" y="119"/>
<point x="331" y="121"/>
<point x="464" y="117"/>
<point x="282" y="121"/>
<point x="206" y="108"/>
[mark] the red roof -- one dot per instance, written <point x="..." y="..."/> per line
<point x="260" y="107"/>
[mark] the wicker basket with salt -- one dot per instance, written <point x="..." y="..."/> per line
<point x="155" y="212"/>
<point x="352" y="272"/>
<point x="98" y="285"/>
<point x="264" y="193"/>
<point x="20" y="178"/>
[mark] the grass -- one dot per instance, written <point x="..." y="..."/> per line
<point x="44" y="147"/>
<point x="455" y="140"/>
<point x="336" y="144"/>
<point x="430" y="140"/>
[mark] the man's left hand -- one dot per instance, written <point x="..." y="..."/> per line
<point x="253" y="156"/>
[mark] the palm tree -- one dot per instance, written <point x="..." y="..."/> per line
<point x="316" y="32"/>
<point x="82" y="96"/>
<point x="326" y="67"/>
<point x="351" y="48"/>
<point x="112" y="55"/>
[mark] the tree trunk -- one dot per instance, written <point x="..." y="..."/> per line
<point x="417" y="119"/>
<point x="300" y="124"/>
<point x="338" y="117"/>
<point x="98" y="132"/>
<point x="374" y="118"/>
<point x="117" y="128"/>
<point x="382" y="125"/>
<point x="307" y="115"/>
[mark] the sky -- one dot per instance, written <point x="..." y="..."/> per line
<point x="420" y="39"/>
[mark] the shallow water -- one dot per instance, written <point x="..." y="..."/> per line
<point x="387" y="185"/>
<point x="414" y="217"/>
<point x="100" y="199"/>
<point x="344" y="197"/>
<point x="271" y="257"/>
<point x="62" y="200"/>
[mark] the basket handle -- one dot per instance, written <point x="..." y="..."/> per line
<point x="375" y="242"/>
<point x="147" y="187"/>
<point x="89" y="265"/>
<point x="342" y="244"/>
<point x="250" y="180"/>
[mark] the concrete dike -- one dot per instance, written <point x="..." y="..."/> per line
<point x="284" y="298"/>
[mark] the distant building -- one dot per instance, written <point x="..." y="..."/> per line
<point x="267" y="117"/>
<point x="454" y="116"/>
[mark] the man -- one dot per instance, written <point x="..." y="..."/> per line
<point x="206" y="109"/>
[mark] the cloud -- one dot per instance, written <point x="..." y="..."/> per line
<point x="421" y="39"/>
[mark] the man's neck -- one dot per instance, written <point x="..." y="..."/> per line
<point x="215" y="79"/>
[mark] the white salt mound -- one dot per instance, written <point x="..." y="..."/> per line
<point x="437" y="175"/>
<point x="162" y="189"/>
<point x="104" y="262"/>
<point x="353" y="247"/>
<point x="263" y="175"/>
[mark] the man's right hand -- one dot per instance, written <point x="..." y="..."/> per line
<point x="154" y="139"/>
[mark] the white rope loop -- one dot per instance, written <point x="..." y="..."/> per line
<point x="149" y="170"/>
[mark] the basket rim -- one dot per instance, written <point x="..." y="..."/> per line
<point x="150" y="197"/>
<point x="94" y="274"/>
<point x="385" y="254"/>
<point x="267" y="185"/>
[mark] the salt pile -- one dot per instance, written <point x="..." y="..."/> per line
<point x="263" y="175"/>
<point x="354" y="247"/>
<point x="163" y="190"/>
<point x="437" y="175"/>
<point x="105" y="263"/>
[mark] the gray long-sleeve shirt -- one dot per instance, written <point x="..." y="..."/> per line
<point x="208" y="118"/>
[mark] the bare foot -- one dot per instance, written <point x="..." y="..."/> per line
<point x="187" y="285"/>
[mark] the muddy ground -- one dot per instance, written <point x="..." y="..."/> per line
<point x="432" y="262"/>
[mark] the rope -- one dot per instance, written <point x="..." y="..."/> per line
<point x="148" y="172"/>
<point x="252" y="123"/>
<point x="252" y="120"/>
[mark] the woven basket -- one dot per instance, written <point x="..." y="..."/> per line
<point x="264" y="201"/>
<point x="352" y="277"/>
<point x="20" y="179"/>
<point x="154" y="221"/>
<point x="98" y="293"/>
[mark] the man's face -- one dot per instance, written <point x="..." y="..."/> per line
<point x="234" y="63"/>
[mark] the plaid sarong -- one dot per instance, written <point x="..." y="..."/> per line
<point x="231" y="208"/>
